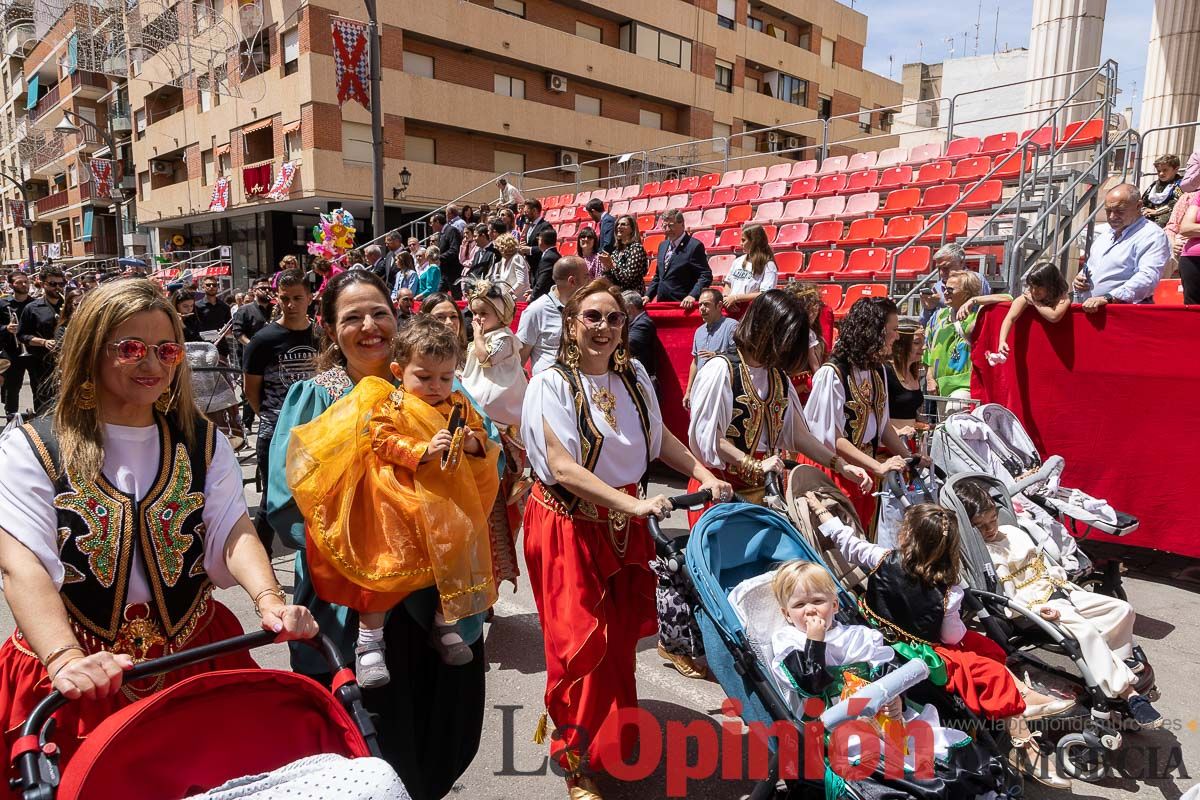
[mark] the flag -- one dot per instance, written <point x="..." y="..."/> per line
<point x="283" y="182"/>
<point x="256" y="180"/>
<point x="220" y="195"/>
<point x="102" y="174"/>
<point x="350" y="61"/>
<point x="16" y="210"/>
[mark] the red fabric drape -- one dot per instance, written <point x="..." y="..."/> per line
<point x="1115" y="394"/>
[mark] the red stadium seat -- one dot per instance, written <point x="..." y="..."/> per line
<point x="631" y="191"/>
<point x="895" y="178"/>
<point x="971" y="169"/>
<point x="861" y="205"/>
<point x="619" y="208"/>
<point x="568" y="247"/>
<point x="693" y="220"/>
<point x="802" y="169"/>
<point x="581" y="198"/>
<point x="955" y="225"/>
<point x="963" y="148"/>
<point x="860" y="161"/>
<point x="638" y="205"/>
<point x="669" y="186"/>
<point x="833" y="165"/>
<point x="748" y="193"/>
<point x="553" y="215"/>
<point x="829" y="208"/>
<point x="831" y="295"/>
<point x="699" y="200"/>
<point x="1010" y="166"/>
<point x="830" y="184"/>
<point x="770" y="231"/>
<point x="657" y="205"/>
<point x="731" y="178"/>
<point x="900" y="201"/>
<point x="858" y="292"/>
<point x="824" y="264"/>
<point x="862" y="232"/>
<point x="728" y="241"/>
<point x="933" y="173"/>
<point x="1169" y="292"/>
<point x="723" y="196"/>
<point x="891" y="157"/>
<point x="924" y="152"/>
<point x="714" y="216"/>
<point x="705" y="237"/>
<point x="647" y="222"/>
<point x="938" y="198"/>
<point x="553" y="201"/>
<point x="789" y="262"/>
<point x="753" y="175"/>
<point x="1082" y="134"/>
<point x="613" y="195"/>
<point x="982" y="195"/>
<point x="862" y="181"/>
<point x="998" y="143"/>
<point x="772" y="190"/>
<point x="779" y="172"/>
<point x="798" y="209"/>
<point x="1042" y="138"/>
<point x="768" y="212"/>
<point x="900" y="230"/>
<point x="802" y="187"/>
<point x="824" y="234"/>
<point x="736" y="215"/>
<point x="678" y="201"/>
<point x="709" y="181"/>
<point x="649" y="189"/>
<point x="652" y="242"/>
<point x="866" y="262"/>
<point x="791" y="235"/>
<point x="912" y="262"/>
<point x="720" y="264"/>
<point x="568" y="230"/>
<point x="691" y="183"/>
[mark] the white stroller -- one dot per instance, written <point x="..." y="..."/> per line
<point x="991" y="439"/>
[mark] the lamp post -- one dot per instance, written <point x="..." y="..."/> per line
<point x="28" y="223"/>
<point x="398" y="192"/>
<point x="378" y="218"/>
<point x="67" y="126"/>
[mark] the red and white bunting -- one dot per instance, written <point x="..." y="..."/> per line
<point x="220" y="195"/>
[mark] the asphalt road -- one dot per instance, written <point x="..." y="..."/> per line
<point x="1164" y="589"/>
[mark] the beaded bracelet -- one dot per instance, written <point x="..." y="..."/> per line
<point x="59" y="651"/>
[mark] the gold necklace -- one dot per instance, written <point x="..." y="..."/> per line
<point x="606" y="401"/>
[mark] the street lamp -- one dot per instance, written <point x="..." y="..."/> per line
<point x="405" y="179"/>
<point x="67" y="126"/>
<point x="28" y="224"/>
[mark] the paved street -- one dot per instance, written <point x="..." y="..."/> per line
<point x="1164" y="589"/>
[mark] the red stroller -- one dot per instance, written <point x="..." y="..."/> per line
<point x="201" y="732"/>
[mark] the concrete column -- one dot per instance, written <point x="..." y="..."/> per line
<point x="1065" y="36"/>
<point x="1172" y="89"/>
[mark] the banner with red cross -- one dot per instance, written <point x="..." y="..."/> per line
<point x="350" y="62"/>
<point x="220" y="195"/>
<point x="102" y="174"/>
<point x="16" y="210"/>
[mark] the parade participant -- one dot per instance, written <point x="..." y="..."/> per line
<point x="36" y="332"/>
<point x="848" y="407"/>
<point x="401" y="502"/>
<point x="746" y="416"/>
<point x="430" y="715"/>
<point x="122" y="451"/>
<point x="592" y="425"/>
<point x="10" y="319"/>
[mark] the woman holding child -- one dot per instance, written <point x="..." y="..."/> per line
<point x="592" y="426"/>
<point x="431" y="711"/>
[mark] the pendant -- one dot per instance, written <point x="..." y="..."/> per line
<point x="606" y="401"/>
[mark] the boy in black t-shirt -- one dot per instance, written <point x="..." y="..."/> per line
<point x="278" y="356"/>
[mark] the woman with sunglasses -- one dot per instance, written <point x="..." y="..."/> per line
<point x="587" y="546"/>
<point x="628" y="264"/>
<point x="119" y="512"/>
<point x="589" y="251"/>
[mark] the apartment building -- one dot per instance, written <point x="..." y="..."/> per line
<point x="553" y="90"/>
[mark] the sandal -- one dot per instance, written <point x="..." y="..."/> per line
<point x="449" y="644"/>
<point x="375" y="675"/>
<point x="1026" y="757"/>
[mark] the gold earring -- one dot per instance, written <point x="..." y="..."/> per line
<point x="86" y="396"/>
<point x="165" y="402"/>
<point x="621" y="359"/>
<point x="573" y="355"/>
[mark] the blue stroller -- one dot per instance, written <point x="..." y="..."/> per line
<point x="734" y="542"/>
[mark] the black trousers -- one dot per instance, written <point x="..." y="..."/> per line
<point x="41" y="381"/>
<point x="1189" y="275"/>
<point x="14" y="379"/>
<point x="262" y="525"/>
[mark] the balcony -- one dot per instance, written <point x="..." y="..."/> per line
<point x="51" y="202"/>
<point x="93" y="81"/>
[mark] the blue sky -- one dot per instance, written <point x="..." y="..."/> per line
<point x="896" y="29"/>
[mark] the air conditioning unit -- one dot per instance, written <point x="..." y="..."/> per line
<point x="556" y="83"/>
<point x="773" y="138"/>
<point x="792" y="143"/>
<point x="160" y="168"/>
<point x="120" y="123"/>
<point x="568" y="159"/>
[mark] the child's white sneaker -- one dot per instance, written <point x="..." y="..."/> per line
<point x="370" y="665"/>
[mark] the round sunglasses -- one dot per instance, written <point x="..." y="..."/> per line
<point x="592" y="318"/>
<point x="134" y="351"/>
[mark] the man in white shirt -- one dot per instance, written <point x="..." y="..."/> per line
<point x="1127" y="257"/>
<point x="540" y="329"/>
<point x="509" y="194"/>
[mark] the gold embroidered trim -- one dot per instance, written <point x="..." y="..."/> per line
<point x="326" y="537"/>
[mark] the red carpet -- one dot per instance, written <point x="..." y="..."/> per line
<point x="1116" y="394"/>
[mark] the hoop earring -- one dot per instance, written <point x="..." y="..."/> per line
<point x="85" y="399"/>
<point x="573" y="355"/>
<point x="165" y="402"/>
<point x="621" y="359"/>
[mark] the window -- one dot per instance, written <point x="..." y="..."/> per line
<point x="720" y="130"/>
<point x="143" y="185"/>
<point x="587" y="105"/>
<point x="650" y="119"/>
<point x="293" y="145"/>
<point x="650" y="43"/>
<point x="291" y="51"/>
<point x="139" y="122"/>
<point x="258" y="145"/>
<point x="726" y="13"/>
<point x="864" y="120"/>
<point x="72" y="175"/>
<point x="357" y="142"/>
<point x="514" y="7"/>
<point x="225" y="163"/>
<point x="207" y="168"/>
<point x="824" y="106"/>
<point x="508" y="162"/>
<point x="260" y="55"/>
<point x="420" y="148"/>
<point x="786" y="87"/>
<point x="76" y="228"/>
<point x="220" y="75"/>
<point x="585" y="31"/>
<point x="419" y="65"/>
<point x="754" y="23"/>
<point x="510" y="86"/>
<point x="724" y="76"/>
<point x="827" y="46"/>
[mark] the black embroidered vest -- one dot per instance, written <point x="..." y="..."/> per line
<point x="590" y="438"/>
<point x="750" y="413"/>
<point x="98" y="527"/>
<point x="863" y="401"/>
<point x="904" y="607"/>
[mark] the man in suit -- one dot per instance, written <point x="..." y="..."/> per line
<point x="643" y="336"/>
<point x="535" y="223"/>
<point x="544" y="275"/>
<point x="387" y="266"/>
<point x="606" y="225"/>
<point x="449" y="239"/>
<point x="682" y="271"/>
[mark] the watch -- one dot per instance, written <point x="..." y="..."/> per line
<point x="1108" y="298"/>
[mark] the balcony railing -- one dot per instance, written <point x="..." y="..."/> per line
<point x="51" y="202"/>
<point x="56" y="95"/>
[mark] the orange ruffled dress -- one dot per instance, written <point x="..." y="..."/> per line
<point x="380" y="523"/>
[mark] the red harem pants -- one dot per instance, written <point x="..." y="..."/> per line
<point x="594" y="604"/>
<point x="976" y="673"/>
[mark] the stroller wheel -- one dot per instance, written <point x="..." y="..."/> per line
<point x="1077" y="759"/>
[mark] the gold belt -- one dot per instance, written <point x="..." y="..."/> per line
<point x="617" y="522"/>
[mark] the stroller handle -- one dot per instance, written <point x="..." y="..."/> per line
<point x="667" y="547"/>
